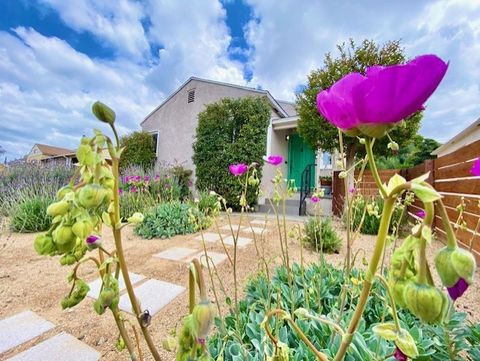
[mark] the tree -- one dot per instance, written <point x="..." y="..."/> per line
<point x="316" y="130"/>
<point x="230" y="131"/>
<point x="139" y="150"/>
<point x="424" y="149"/>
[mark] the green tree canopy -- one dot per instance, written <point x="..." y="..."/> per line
<point x="230" y="131"/>
<point x="316" y="130"/>
<point x="139" y="150"/>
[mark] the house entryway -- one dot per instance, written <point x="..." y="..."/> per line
<point x="300" y="155"/>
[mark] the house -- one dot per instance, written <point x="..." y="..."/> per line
<point x="42" y="153"/>
<point x="468" y="135"/>
<point x="173" y="124"/>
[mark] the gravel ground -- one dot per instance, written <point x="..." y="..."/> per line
<point x="37" y="283"/>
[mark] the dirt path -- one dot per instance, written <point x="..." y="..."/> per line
<point x="28" y="281"/>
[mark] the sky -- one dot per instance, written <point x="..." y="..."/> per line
<point x="57" y="57"/>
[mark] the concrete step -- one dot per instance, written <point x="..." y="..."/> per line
<point x="291" y="207"/>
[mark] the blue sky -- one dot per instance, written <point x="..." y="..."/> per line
<point x="57" y="57"/>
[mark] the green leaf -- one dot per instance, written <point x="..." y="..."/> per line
<point x="424" y="192"/>
<point x="394" y="182"/>
<point x="427" y="234"/>
<point x="386" y="331"/>
<point x="421" y="179"/>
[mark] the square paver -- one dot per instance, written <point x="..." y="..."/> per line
<point x="214" y="257"/>
<point x="227" y="227"/>
<point x="176" y="253"/>
<point x="97" y="284"/>
<point x="21" y="328"/>
<point x="261" y="222"/>
<point x="241" y="241"/>
<point x="62" y="347"/>
<point x="153" y="296"/>
<point x="256" y="230"/>
<point x="209" y="237"/>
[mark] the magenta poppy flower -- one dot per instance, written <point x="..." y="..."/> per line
<point x="351" y="190"/>
<point x="476" y="168"/>
<point x="314" y="199"/>
<point x="134" y="190"/>
<point x="120" y="191"/>
<point x="237" y="169"/>
<point x="157" y="178"/>
<point x="93" y="242"/>
<point x="146" y="178"/>
<point x="274" y="159"/>
<point x="137" y="178"/>
<point x="421" y="214"/>
<point x="399" y="355"/>
<point x="458" y="289"/>
<point x="385" y="94"/>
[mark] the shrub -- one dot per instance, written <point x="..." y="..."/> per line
<point x="320" y="234"/>
<point x="131" y="202"/>
<point x="208" y="204"/>
<point x="170" y="219"/>
<point x="317" y="288"/>
<point x="182" y="179"/>
<point x="31" y="215"/>
<point x="230" y="131"/>
<point x="139" y="150"/>
<point x="371" y="222"/>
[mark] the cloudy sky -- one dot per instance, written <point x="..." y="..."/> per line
<point x="57" y="57"/>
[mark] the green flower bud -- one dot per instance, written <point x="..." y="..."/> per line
<point x="398" y="290"/>
<point x="80" y="291"/>
<point x="82" y="229"/>
<point x="62" y="192"/>
<point x="85" y="155"/>
<point x="91" y="196"/>
<point x="44" y="245"/>
<point x="67" y="259"/>
<point x="464" y="264"/>
<point x="58" y="208"/>
<point x="426" y="302"/>
<point x="393" y="146"/>
<point x="203" y="315"/>
<point x="343" y="174"/>
<point x="64" y="238"/>
<point x="135" y="218"/>
<point x="103" y="113"/>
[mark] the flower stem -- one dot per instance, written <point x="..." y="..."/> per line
<point x="392" y="301"/>
<point x="451" y="239"/>
<point x="373" y="167"/>
<point x="124" y="334"/>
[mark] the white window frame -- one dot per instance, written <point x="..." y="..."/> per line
<point x="158" y="140"/>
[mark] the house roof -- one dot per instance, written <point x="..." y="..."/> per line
<point x="457" y="137"/>
<point x="289" y="107"/>
<point x="275" y="104"/>
<point x="53" y="151"/>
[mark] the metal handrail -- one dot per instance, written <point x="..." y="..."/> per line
<point x="305" y="187"/>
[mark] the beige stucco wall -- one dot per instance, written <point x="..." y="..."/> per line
<point x="176" y="121"/>
<point x="471" y="137"/>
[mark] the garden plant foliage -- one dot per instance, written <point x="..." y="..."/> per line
<point x="230" y="131"/>
<point x="321" y="236"/>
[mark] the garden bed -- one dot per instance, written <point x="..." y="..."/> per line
<point x="32" y="282"/>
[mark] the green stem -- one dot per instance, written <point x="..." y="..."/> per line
<point x="451" y="239"/>
<point x="124" y="334"/>
<point x="392" y="301"/>
<point x="373" y="167"/>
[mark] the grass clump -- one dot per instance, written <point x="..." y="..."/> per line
<point x="30" y="215"/>
<point x="320" y="235"/>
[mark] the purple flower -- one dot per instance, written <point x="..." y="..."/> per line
<point x="167" y="185"/>
<point x="127" y="179"/>
<point x="133" y="190"/>
<point x="399" y="355"/>
<point x="314" y="199"/>
<point x="420" y="214"/>
<point x="146" y="178"/>
<point x="157" y="178"/>
<point x="274" y="159"/>
<point x="476" y="168"/>
<point x="237" y="169"/>
<point x="93" y="242"/>
<point x="137" y="178"/>
<point x="385" y="94"/>
<point x="120" y="191"/>
<point x="190" y="183"/>
<point x="458" y="289"/>
<point x="352" y="190"/>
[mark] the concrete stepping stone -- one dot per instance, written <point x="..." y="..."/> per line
<point x="209" y="237"/>
<point x="214" y="257"/>
<point x="20" y="328"/>
<point x="62" y="347"/>
<point x="175" y="253"/>
<point x="241" y="241"/>
<point x="227" y="227"/>
<point x="97" y="284"/>
<point x="261" y="222"/>
<point x="256" y="230"/>
<point x="153" y="296"/>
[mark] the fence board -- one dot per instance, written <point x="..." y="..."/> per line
<point x="460" y="185"/>
<point x="453" y="200"/>
<point x="456" y="171"/>
<point x="463" y="154"/>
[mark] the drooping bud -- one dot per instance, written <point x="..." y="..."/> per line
<point x="91" y="196"/>
<point x="58" y="208"/>
<point x="44" y="245"/>
<point x="343" y="174"/>
<point x="393" y="146"/>
<point x="136" y="218"/>
<point x="82" y="229"/>
<point x="426" y="302"/>
<point x="64" y="238"/>
<point x="203" y="315"/>
<point x="93" y="242"/>
<point x="103" y="112"/>
<point x="79" y="293"/>
<point x="62" y="192"/>
<point x="85" y="155"/>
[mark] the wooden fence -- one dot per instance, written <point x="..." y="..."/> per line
<point x="450" y="175"/>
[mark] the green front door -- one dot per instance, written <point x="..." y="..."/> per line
<point x="299" y="156"/>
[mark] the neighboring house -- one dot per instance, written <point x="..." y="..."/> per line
<point x="42" y="153"/>
<point x="173" y="124"/>
<point x="468" y="135"/>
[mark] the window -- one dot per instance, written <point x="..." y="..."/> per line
<point x="191" y="96"/>
<point x="326" y="160"/>
<point x="155" y="142"/>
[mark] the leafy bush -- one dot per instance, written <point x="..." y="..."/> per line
<point x="371" y="222"/>
<point x="320" y="234"/>
<point x="31" y="215"/>
<point x="170" y="219"/>
<point x="139" y="150"/>
<point x="182" y="179"/>
<point x="317" y="288"/>
<point x="230" y="131"/>
<point x="208" y="204"/>
<point x="141" y="202"/>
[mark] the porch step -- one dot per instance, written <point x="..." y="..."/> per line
<point x="291" y="207"/>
